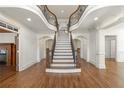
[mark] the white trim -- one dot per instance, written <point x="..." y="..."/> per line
<point x="21" y="68"/>
<point x="75" y="70"/>
<point x="88" y="10"/>
<point x="9" y="30"/>
<point x="37" y="11"/>
<point x="62" y="65"/>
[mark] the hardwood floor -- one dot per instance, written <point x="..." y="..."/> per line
<point x="6" y="71"/>
<point x="90" y="77"/>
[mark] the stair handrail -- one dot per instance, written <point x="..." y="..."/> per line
<point x="53" y="46"/>
<point x="50" y="53"/>
<point x="73" y="49"/>
<point x="50" y="16"/>
<point x="76" y="15"/>
<point x="76" y="53"/>
<point x="48" y="58"/>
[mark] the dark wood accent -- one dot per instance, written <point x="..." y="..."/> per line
<point x="11" y="55"/>
<point x="50" y="53"/>
<point x="47" y="58"/>
<point x="6" y="72"/>
<point x="76" y="53"/>
<point x="45" y="7"/>
<point x="54" y="15"/>
<point x="4" y="31"/>
<point x="71" y="16"/>
<point x="73" y="49"/>
<point x="90" y="77"/>
<point x="78" y="58"/>
<point x="53" y="46"/>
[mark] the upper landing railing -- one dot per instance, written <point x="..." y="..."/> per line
<point x="75" y="16"/>
<point x="50" y="17"/>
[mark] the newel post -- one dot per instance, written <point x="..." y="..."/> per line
<point x="47" y="58"/>
<point x="78" y="58"/>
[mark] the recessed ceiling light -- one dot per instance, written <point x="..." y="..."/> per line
<point x="66" y="31"/>
<point x="96" y="18"/>
<point x="28" y="19"/>
<point x="62" y="11"/>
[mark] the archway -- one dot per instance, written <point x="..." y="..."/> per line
<point x="44" y="42"/>
<point x="83" y="46"/>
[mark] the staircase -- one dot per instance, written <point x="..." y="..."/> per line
<point x="63" y="61"/>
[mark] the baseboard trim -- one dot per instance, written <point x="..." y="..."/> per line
<point x="26" y="66"/>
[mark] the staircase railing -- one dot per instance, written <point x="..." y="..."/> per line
<point x="53" y="47"/>
<point x="51" y="17"/>
<point x="73" y="49"/>
<point x="75" y="16"/>
<point x="50" y="53"/>
<point x="76" y="53"/>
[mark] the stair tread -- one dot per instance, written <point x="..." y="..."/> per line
<point x="73" y="67"/>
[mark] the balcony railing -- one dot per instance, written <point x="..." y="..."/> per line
<point x="75" y="16"/>
<point x="50" y="17"/>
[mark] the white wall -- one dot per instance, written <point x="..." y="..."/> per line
<point x="84" y="38"/>
<point x="77" y="43"/>
<point x="118" y="31"/>
<point x="7" y="37"/>
<point x="93" y="46"/>
<point x="41" y="48"/>
<point x="110" y="47"/>
<point x="84" y="48"/>
<point x="27" y="43"/>
<point x="97" y="48"/>
<point x="49" y="43"/>
<point x="27" y="48"/>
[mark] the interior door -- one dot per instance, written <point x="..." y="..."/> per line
<point x="113" y="48"/>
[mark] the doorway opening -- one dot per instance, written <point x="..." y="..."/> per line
<point x="3" y="56"/>
<point x="8" y="54"/>
<point x="110" y="48"/>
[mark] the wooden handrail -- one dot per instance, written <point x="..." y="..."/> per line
<point x="50" y="53"/>
<point x="47" y="58"/>
<point x="78" y="58"/>
<point x="76" y="53"/>
<point x="71" y="16"/>
<point x="69" y="22"/>
<point x="53" y="46"/>
<point x="73" y="49"/>
<point x="54" y="15"/>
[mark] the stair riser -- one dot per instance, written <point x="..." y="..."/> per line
<point x="62" y="48"/>
<point x="60" y="51"/>
<point x="62" y="57"/>
<point x="66" y="54"/>
<point x="63" y="43"/>
<point x="63" y="65"/>
<point x="70" y="61"/>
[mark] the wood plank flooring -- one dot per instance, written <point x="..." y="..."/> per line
<point x="90" y="77"/>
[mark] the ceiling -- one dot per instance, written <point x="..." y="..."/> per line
<point x="62" y="11"/>
<point x="36" y="24"/>
<point x="106" y="17"/>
